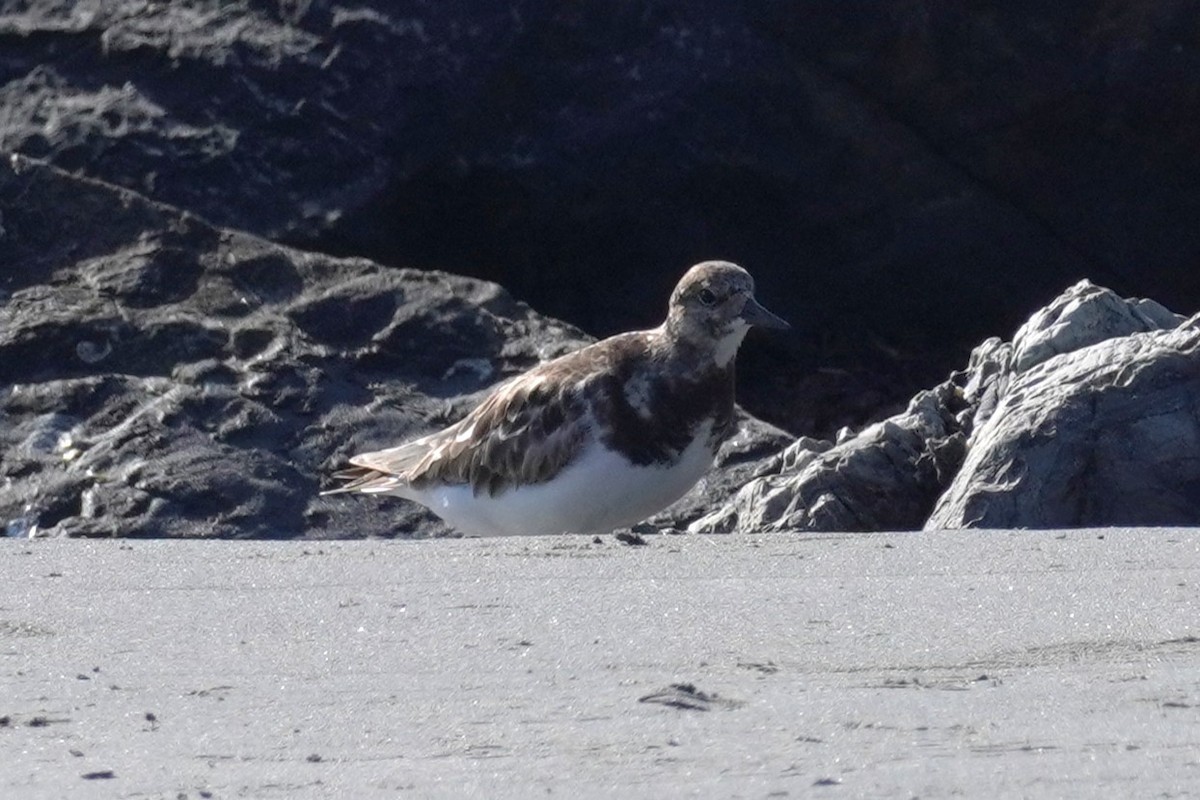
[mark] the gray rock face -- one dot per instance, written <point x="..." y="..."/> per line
<point x="1096" y="421"/>
<point x="1089" y="416"/>
<point x="884" y="478"/>
<point x="1082" y="316"/>
<point x="162" y="377"/>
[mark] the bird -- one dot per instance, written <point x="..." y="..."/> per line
<point x="595" y="440"/>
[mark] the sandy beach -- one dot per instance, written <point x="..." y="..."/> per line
<point x="947" y="664"/>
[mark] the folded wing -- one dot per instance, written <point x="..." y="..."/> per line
<point x="524" y="433"/>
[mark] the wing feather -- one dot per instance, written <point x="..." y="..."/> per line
<point x="523" y="433"/>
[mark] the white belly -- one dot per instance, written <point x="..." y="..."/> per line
<point x="598" y="492"/>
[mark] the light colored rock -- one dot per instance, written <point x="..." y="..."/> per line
<point x="1083" y="315"/>
<point x="1089" y="416"/>
<point x="1105" y="435"/>
<point x="884" y="478"/>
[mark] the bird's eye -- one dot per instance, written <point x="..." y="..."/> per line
<point x="707" y="297"/>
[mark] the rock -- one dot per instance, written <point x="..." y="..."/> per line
<point x="1083" y="315"/>
<point x="1089" y="416"/>
<point x="1104" y="433"/>
<point x="163" y="377"/>
<point x="884" y="478"/>
<point x="856" y="162"/>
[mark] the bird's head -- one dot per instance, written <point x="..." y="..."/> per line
<point x="713" y="306"/>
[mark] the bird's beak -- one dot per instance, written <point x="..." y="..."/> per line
<point x="755" y="314"/>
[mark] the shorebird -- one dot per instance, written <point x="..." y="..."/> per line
<point x="594" y="440"/>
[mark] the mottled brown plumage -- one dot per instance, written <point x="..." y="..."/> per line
<point x="645" y="396"/>
<point x="531" y="427"/>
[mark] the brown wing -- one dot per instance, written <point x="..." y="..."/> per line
<point x="523" y="433"/>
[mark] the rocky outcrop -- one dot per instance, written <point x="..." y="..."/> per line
<point x="577" y="153"/>
<point x="884" y="478"/>
<point x="163" y="377"/>
<point x="1089" y="416"/>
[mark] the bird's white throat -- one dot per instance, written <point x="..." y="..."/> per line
<point x="727" y="345"/>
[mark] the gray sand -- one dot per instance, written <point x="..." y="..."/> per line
<point x="978" y="664"/>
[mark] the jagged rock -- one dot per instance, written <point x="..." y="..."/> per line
<point x="1089" y="416"/>
<point x="884" y="478"/>
<point x="1083" y="315"/>
<point x="1093" y="420"/>
<point x="162" y="377"/>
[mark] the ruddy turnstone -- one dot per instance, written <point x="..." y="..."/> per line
<point x="597" y="439"/>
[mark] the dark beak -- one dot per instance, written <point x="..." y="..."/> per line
<point x="755" y="314"/>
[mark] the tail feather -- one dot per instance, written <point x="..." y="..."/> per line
<point x="380" y="471"/>
<point x="353" y="479"/>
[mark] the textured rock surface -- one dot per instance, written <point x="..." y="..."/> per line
<point x="1106" y="432"/>
<point x="883" y="479"/>
<point x="161" y="377"/>
<point x="571" y="151"/>
<point x="1089" y="416"/>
